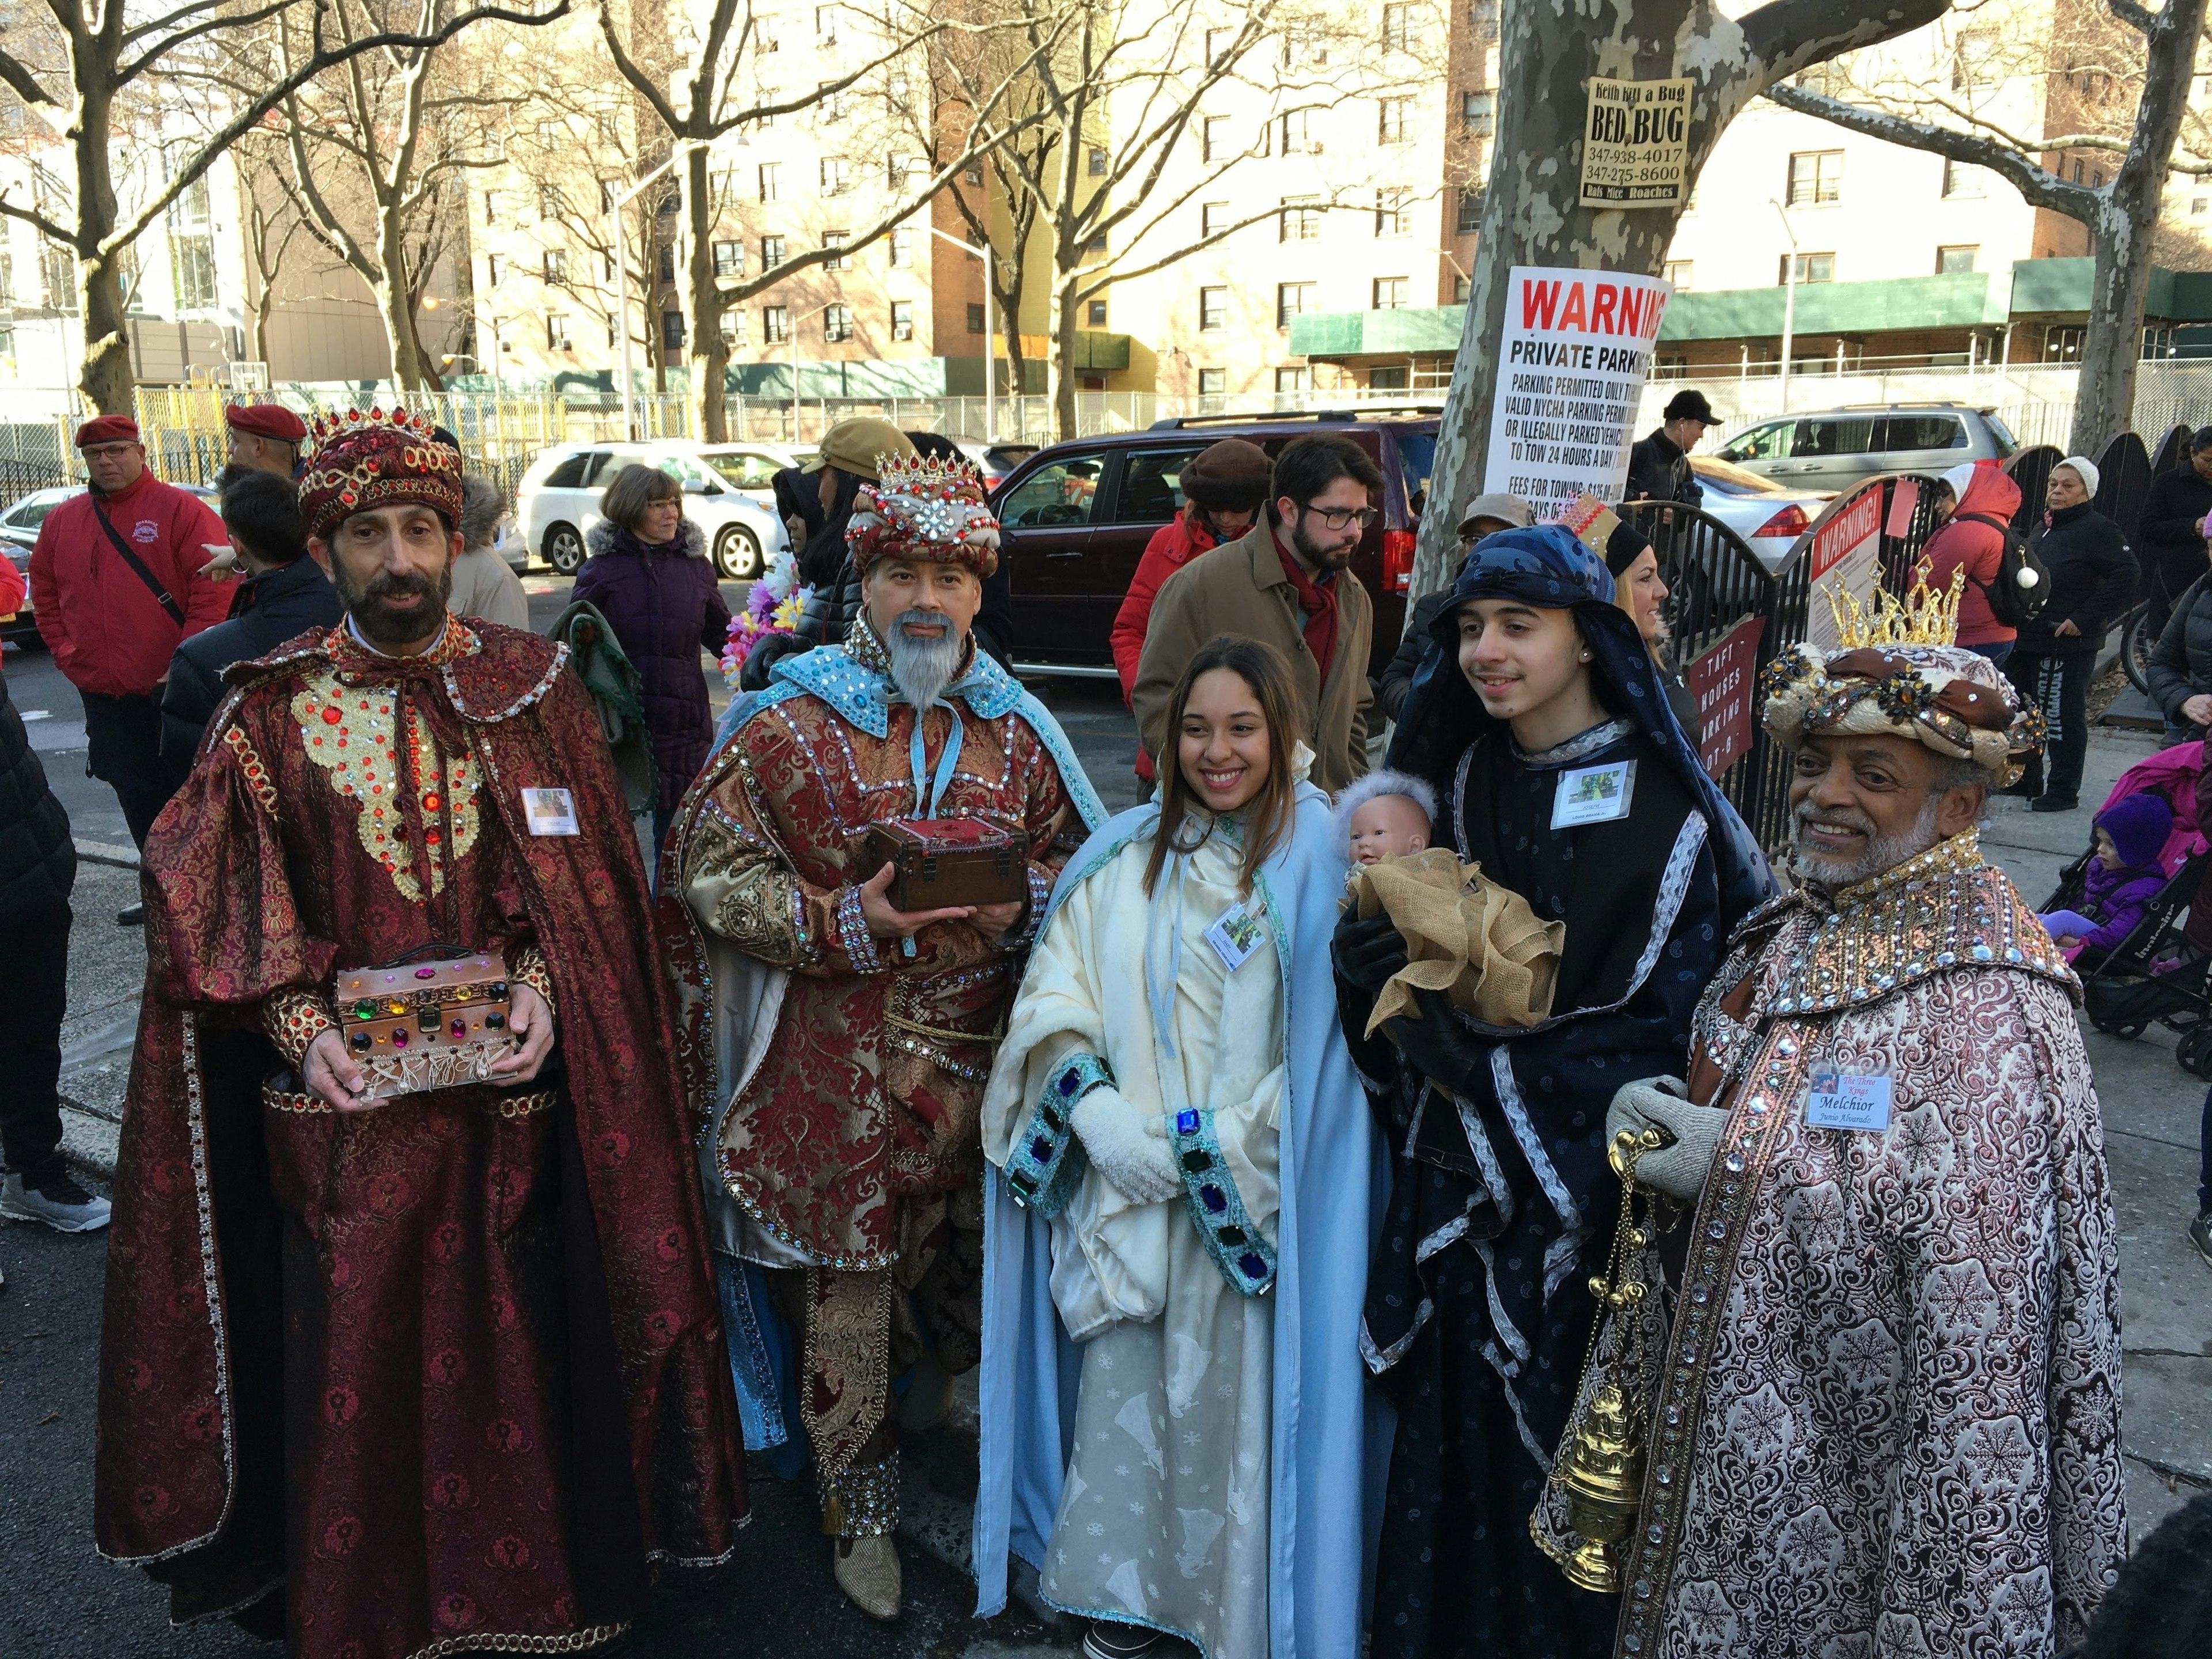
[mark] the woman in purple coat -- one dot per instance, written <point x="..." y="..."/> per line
<point x="649" y="575"/>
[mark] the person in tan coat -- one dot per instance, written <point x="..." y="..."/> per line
<point x="1283" y="581"/>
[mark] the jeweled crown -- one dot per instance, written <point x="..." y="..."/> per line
<point x="1923" y="617"/>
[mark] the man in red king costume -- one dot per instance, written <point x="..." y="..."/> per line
<point x="441" y="1370"/>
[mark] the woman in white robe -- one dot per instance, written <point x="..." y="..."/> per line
<point x="1138" y="1109"/>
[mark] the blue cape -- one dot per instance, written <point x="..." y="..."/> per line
<point x="1549" y="568"/>
<point x="1331" y="1433"/>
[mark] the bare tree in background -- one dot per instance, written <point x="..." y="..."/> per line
<point x="1532" y="213"/>
<point x="81" y="70"/>
<point x="2145" y="59"/>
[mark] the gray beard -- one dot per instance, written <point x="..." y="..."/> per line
<point x="921" y="669"/>
<point x="1883" y="852"/>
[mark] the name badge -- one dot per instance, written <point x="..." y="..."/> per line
<point x="1840" y="1101"/>
<point x="1594" y="795"/>
<point x="549" y="811"/>
<point x="1235" y="936"/>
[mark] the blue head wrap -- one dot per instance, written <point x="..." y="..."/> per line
<point x="1549" y="568"/>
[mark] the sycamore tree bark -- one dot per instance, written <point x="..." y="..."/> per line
<point x="2120" y="217"/>
<point x="1531" y="213"/>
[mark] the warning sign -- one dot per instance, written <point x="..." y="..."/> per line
<point x="1636" y="143"/>
<point x="1845" y="558"/>
<point x="1571" y="364"/>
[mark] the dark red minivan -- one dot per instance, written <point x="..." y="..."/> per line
<point x="1075" y="518"/>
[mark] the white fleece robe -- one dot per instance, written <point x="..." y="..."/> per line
<point x="1164" y="1521"/>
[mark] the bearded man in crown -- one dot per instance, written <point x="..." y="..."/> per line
<point x="840" y="1045"/>
<point x="1888" y="1418"/>
<point x="411" y="1343"/>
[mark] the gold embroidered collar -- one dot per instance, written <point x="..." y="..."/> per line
<point x="1940" y="912"/>
<point x="349" y="655"/>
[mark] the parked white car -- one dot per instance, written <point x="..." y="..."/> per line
<point x="558" y="500"/>
<point x="1768" y="514"/>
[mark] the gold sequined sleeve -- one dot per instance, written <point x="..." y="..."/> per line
<point x="738" y="886"/>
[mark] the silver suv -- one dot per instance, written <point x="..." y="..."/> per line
<point x="1836" y="449"/>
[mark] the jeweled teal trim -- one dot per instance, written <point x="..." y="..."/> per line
<point x="1217" y="1208"/>
<point x="1046" y="1162"/>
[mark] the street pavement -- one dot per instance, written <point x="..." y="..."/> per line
<point x="776" y="1598"/>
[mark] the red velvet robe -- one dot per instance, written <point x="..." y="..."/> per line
<point x="452" y="1368"/>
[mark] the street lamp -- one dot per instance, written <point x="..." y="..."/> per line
<point x="1789" y="299"/>
<point x="990" y="390"/>
<point x="616" y="201"/>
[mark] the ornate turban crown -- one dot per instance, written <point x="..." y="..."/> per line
<point x="364" y="461"/>
<point x="1896" y="673"/>
<point x="923" y="507"/>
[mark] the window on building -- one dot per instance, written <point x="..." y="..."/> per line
<point x="1391" y="121"/>
<point x="830" y="105"/>
<point x="899" y="246"/>
<point x="672" y="331"/>
<point x="1095" y="312"/>
<point x="491" y="207"/>
<point x="837" y="323"/>
<point x="840" y="257"/>
<point x="1213" y="218"/>
<point x="1094" y="243"/>
<point x="2096" y="178"/>
<point x="729" y="258"/>
<point x="1390" y="218"/>
<point x="557" y="265"/>
<point x="1395" y="377"/>
<point x="1397" y="27"/>
<point x="1094" y="160"/>
<point x="2198" y="205"/>
<point x="1467" y="219"/>
<point x="733" y="328"/>
<point x="666" y="263"/>
<point x="825" y="25"/>
<point x="1478" y="113"/>
<point x="1961" y="181"/>
<point x="1482" y="18"/>
<point x="548" y="202"/>
<point x="1462" y="290"/>
<point x="1296" y="132"/>
<point x="1390" y="293"/>
<point x="1218" y="43"/>
<point x="771" y="181"/>
<point x="975" y="319"/>
<point x="837" y="176"/>
<point x="1213" y="139"/>
<point x="902" y="319"/>
<point x="1974" y="57"/>
<point x="1292" y="300"/>
<point x="61" y="277"/>
<point x="1953" y="261"/>
<point x="775" y="324"/>
<point x="1213" y="382"/>
<point x="974" y="175"/>
<point x="1300" y="220"/>
<point x="1293" y="380"/>
<point x="771" y="253"/>
<point x="491" y="272"/>
<point x="1677" y="271"/>
<point x="1213" y="309"/>
<point x="1830" y="78"/>
<point x="557" y="332"/>
<point x="1811" y="268"/>
<point x="1816" y="176"/>
<point x="191" y="269"/>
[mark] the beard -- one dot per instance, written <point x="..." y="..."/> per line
<point x="379" y="624"/>
<point x="1324" y="563"/>
<point x="1882" y="853"/>
<point x="922" y="668"/>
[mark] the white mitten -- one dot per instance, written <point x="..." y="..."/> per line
<point x="1125" y="1147"/>
<point x="1678" y="1169"/>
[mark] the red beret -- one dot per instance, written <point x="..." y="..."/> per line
<point x="106" y="429"/>
<point x="267" y="421"/>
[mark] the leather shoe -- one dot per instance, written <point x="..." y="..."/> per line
<point x="132" y="915"/>
<point x="867" y="1570"/>
<point x="2054" y="803"/>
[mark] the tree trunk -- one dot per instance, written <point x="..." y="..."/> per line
<point x="106" y="379"/>
<point x="702" y="306"/>
<point x="395" y="304"/>
<point x="1064" y="379"/>
<point x="1531" y="212"/>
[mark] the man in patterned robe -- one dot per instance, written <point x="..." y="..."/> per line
<point x="1888" y="1414"/>
<point x="840" y="1045"/>
<point x="443" y="1370"/>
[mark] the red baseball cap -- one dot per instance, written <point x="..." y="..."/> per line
<point x="106" y="429"/>
<point x="267" y="421"/>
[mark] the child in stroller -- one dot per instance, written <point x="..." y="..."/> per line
<point x="2120" y="880"/>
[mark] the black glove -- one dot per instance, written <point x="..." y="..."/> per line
<point x="1438" y="1045"/>
<point x="1366" y="953"/>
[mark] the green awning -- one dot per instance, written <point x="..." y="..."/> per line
<point x="1968" y="299"/>
<point x="1097" y="350"/>
<point x="872" y="377"/>
<point x="1408" y="332"/>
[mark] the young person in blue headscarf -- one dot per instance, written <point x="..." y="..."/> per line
<point x="1541" y="722"/>
<point x="1177" y="1432"/>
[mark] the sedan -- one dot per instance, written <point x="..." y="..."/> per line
<point x="1768" y="515"/>
<point x="559" y="496"/>
<point x="19" y="533"/>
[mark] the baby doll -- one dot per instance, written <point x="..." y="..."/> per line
<point x="1384" y="815"/>
<point x="2120" y="880"/>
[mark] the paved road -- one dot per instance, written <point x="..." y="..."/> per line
<point x="58" y="1598"/>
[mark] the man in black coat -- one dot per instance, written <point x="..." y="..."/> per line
<point x="1659" y="465"/>
<point x="2168" y="533"/>
<point x="2092" y="575"/>
<point x="284" y="595"/>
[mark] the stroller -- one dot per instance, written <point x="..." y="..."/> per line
<point x="2154" y="976"/>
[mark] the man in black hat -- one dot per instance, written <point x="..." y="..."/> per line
<point x="1659" y="465"/>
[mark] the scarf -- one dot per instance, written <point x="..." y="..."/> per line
<point x="1317" y="601"/>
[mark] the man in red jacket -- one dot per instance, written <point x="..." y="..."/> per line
<point x="1222" y="489"/>
<point x="111" y="619"/>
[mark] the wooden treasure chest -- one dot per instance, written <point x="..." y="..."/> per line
<point x="938" y="863"/>
<point x="435" y="1018"/>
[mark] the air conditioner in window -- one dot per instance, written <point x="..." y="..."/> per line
<point x="1314" y="149"/>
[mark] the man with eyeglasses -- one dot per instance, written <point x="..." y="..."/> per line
<point x="1283" y="582"/>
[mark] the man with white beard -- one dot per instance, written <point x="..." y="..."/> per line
<point x="1887" y="1415"/>
<point x="837" y="1045"/>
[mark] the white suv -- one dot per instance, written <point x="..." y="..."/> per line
<point x="558" y="499"/>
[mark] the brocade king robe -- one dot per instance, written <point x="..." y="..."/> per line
<point x="452" y="1367"/>
<point x="1889" y="1417"/>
